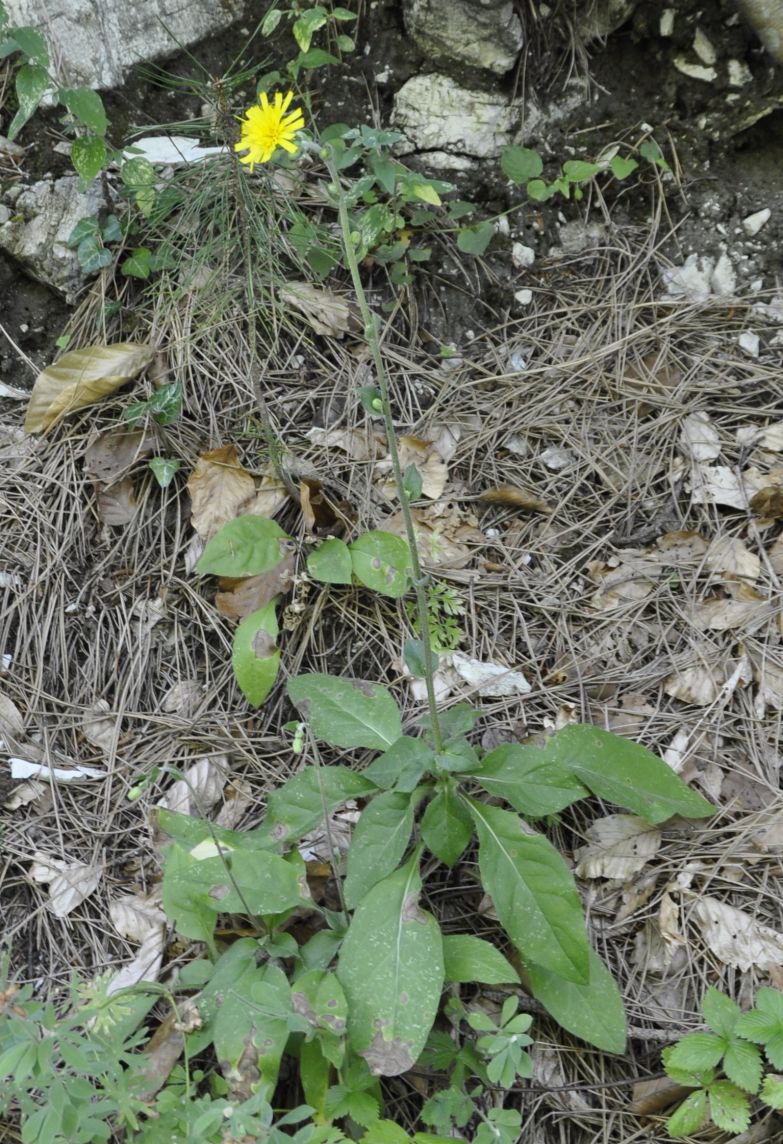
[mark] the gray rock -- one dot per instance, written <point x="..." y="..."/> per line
<point x="35" y="224"/>
<point x="603" y="17"/>
<point x="446" y="120"/>
<point x="95" y="43"/>
<point x="480" y="33"/>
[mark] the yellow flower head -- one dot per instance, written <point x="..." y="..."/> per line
<point x="266" y="127"/>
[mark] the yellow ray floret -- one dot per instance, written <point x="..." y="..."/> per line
<point x="267" y="126"/>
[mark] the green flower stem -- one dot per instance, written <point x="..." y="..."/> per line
<point x="371" y="333"/>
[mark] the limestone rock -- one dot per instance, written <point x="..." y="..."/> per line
<point x="479" y="33"/>
<point x="95" y="44"/>
<point x="36" y="222"/>
<point x="439" y="116"/>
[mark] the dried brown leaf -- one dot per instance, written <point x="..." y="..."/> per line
<point x="80" y="378"/>
<point x="328" y="313"/>
<point x="317" y="510"/>
<point x="219" y="489"/>
<point x="768" y="502"/>
<point x="240" y="598"/>
<point x="619" y="845"/>
<point x="699" y="438"/>
<point x="730" y="555"/>
<point x="447" y="536"/>
<point x="358" y="444"/>
<point x="430" y="465"/>
<point x="515" y="497"/>
<point x="100" y="727"/>
<point x="112" y="453"/>
<point x="117" y="504"/>
<point x="735" y="937"/>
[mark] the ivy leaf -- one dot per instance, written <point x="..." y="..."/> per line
<point x="475" y="239"/>
<point x="764" y="1024"/>
<point x="245" y="546"/>
<point x="346" y="712"/>
<point x="391" y="968"/>
<point x="729" y="1106"/>
<point x="379" y="841"/>
<point x="256" y="656"/>
<point x="621" y="167"/>
<point x="533" y="892"/>
<point x="86" y="106"/>
<point x="624" y="772"/>
<point x="88" y="155"/>
<point x="164" y="469"/>
<point x="30" y="42"/>
<point x="690" y="1116"/>
<point x="467" y="959"/>
<point x="32" y="83"/>
<point x="593" y="1011"/>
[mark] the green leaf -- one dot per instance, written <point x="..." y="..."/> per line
<point x="624" y="772"/>
<point x="772" y="1091"/>
<point x="316" y="58"/>
<point x="32" y="44"/>
<point x="729" y="1107"/>
<point x="86" y="106"/>
<point x="524" y="776"/>
<point x="245" y="546"/>
<point x="690" y="1116"/>
<point x="92" y="254"/>
<point x="343" y="14"/>
<point x="402" y="766"/>
<point x="458" y="756"/>
<point x="621" y="168"/>
<point x="32" y="83"/>
<point x="533" y="893"/>
<point x="165" y="405"/>
<point x="475" y="239"/>
<point x="764" y="1024"/>
<point x="650" y="151"/>
<point x="743" y="1065"/>
<point x="539" y="191"/>
<point x="578" y="171"/>
<point x="380" y="839"/>
<point x="413" y="654"/>
<point x="256" y="656"/>
<point x="385" y="171"/>
<point x="343" y="1101"/>
<point x="85" y="228"/>
<point x="592" y="1011"/>
<point x="385" y="1132"/>
<point x="446" y="828"/>
<point x="138" y="175"/>
<point x="302" y="802"/>
<point x="254" y="1018"/>
<point x="720" y="1012"/>
<point x="467" y="959"/>
<point x="391" y="968"/>
<point x="382" y="561"/>
<point x="270" y="21"/>
<point x="88" y="155"/>
<point x="331" y="563"/>
<point x="164" y="469"/>
<point x="138" y="264"/>
<point x="520" y="164"/>
<point x="346" y="712"/>
<point x="412" y="483"/>
<point x="696" y="1052"/>
<point x="310" y="21"/>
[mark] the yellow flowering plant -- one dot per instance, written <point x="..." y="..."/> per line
<point x="268" y="126"/>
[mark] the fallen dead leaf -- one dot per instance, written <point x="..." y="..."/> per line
<point x="317" y="509"/>
<point x="358" y="444"/>
<point x="69" y="882"/>
<point x="514" y="497"/>
<point x="769" y="438"/>
<point x="619" y="845"/>
<point x="775" y="555"/>
<point x="699" y="439"/>
<point x="11" y="721"/>
<point x="23" y="769"/>
<point x="117" y="504"/>
<point x="718" y="484"/>
<point x="730" y="555"/>
<point x="328" y="313"/>
<point x="623" y="579"/>
<point x="769" y="681"/>
<point x="649" y="1097"/>
<point x="678" y="548"/>
<point x="219" y="486"/>
<point x="735" y="937"/>
<point x="99" y="727"/>
<point x="183" y="698"/>
<point x="200" y="787"/>
<point x="702" y="681"/>
<point x="136" y="916"/>
<point x="146" y="965"/>
<point x="80" y="378"/>
<point x="447" y="536"/>
<point x="240" y="598"/>
<point x="111" y="454"/>
<point x="429" y="464"/>
<point x="767" y="503"/>
<point x="238" y="798"/>
<point x="740" y="607"/>
<point x="657" y="943"/>
<point x="489" y="680"/>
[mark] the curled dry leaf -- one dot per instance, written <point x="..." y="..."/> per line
<point x="699" y="439"/>
<point x="621" y="583"/>
<point x="117" y="504"/>
<point x="136" y="916"/>
<point x="742" y="608"/>
<point x="447" y="536"/>
<point x="430" y="466"/>
<point x="327" y="312"/>
<point x="489" y="680"/>
<point x="707" y="677"/>
<point x="99" y="727"/>
<point x="358" y="444"/>
<point x="112" y="453"/>
<point x="735" y="937"/>
<point x="514" y="497"/>
<point x="731" y="556"/>
<point x="80" y="378"/>
<point x="69" y="882"/>
<point x="619" y="845"/>
<point x="769" y="438"/>
<point x="318" y="510"/>
<point x="238" y="798"/>
<point x="11" y="721"/>
<point x="146" y="965"/>
<point x="767" y="503"/>
<point x="219" y="486"/>
<point x="183" y="698"/>
<point x="240" y="598"/>
<point x="200" y="787"/>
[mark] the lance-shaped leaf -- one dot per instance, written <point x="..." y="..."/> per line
<point x="80" y="378"/>
<point x="624" y="772"/>
<point x="379" y="842"/>
<point x="468" y="958"/>
<point x="593" y="1010"/>
<point x="302" y="802"/>
<point x="533" y="892"/>
<point x="391" y="968"/>
<point x="347" y="712"/>
<point x="522" y="774"/>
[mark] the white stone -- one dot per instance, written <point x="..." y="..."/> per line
<point x="480" y="33"/>
<point x="699" y="277"/>
<point x="96" y="43"/>
<point x="749" y="343"/>
<point x="703" y="48"/>
<point x="753" y="223"/>
<point x="37" y="232"/>
<point x="666" y="23"/>
<point x="695" y="71"/>
<point x="522" y="256"/>
<point x="524" y="297"/>
<point x="438" y="115"/>
<point x="739" y="73"/>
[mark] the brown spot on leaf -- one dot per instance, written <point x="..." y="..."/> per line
<point x="218" y="893"/>
<point x="388" y="1058"/>
<point x="263" y="644"/>
<point x="411" y="912"/>
<point x="300" y="1003"/>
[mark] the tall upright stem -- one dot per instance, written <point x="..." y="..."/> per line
<point x="372" y="334"/>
